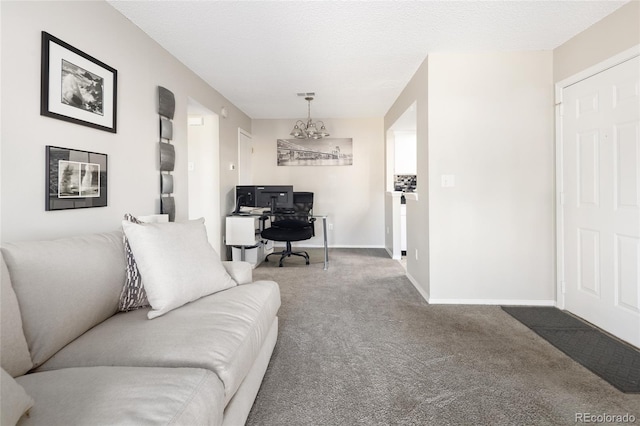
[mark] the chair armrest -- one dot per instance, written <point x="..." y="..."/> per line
<point x="241" y="272"/>
<point x="312" y="221"/>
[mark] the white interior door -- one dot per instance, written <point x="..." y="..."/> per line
<point x="601" y="199"/>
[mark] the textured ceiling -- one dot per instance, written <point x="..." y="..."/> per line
<point x="356" y="55"/>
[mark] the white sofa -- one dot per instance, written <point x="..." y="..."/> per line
<point x="82" y="362"/>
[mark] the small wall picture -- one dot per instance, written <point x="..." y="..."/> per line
<point x="82" y="89"/>
<point x="75" y="179"/>
<point x="315" y="152"/>
<point x="76" y="87"/>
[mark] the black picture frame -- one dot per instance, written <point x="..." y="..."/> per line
<point x="75" y="179"/>
<point x="76" y="87"/>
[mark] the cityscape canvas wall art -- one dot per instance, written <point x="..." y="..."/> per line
<point x="315" y="152"/>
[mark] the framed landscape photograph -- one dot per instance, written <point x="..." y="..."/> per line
<point x="75" y="179"/>
<point x="76" y="87"/>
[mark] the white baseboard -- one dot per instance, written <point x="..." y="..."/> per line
<point x="390" y="253"/>
<point x="497" y="302"/>
<point x="355" y="246"/>
<point x="422" y="292"/>
<point x="507" y="302"/>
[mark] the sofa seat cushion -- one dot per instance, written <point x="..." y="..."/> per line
<point x="124" y="396"/>
<point x="14" y="401"/>
<point x="222" y="332"/>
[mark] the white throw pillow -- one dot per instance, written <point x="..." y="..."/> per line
<point x="14" y="401"/>
<point x="176" y="262"/>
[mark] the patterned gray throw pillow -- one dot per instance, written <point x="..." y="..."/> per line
<point x="133" y="295"/>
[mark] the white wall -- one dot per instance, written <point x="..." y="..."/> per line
<point x="613" y="34"/>
<point x="472" y="263"/>
<point x="418" y="233"/>
<point x="352" y="196"/>
<point x="99" y="30"/>
<point x="393" y="224"/>
<point x="405" y="152"/>
<point x="491" y="125"/>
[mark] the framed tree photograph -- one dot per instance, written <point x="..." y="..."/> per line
<point x="76" y="87"/>
<point x="75" y="179"/>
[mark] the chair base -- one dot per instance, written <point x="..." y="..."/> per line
<point x="287" y="252"/>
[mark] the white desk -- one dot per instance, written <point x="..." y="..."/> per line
<point x="244" y="231"/>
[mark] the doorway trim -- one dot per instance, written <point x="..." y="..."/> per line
<point x="559" y="89"/>
<point x="241" y="133"/>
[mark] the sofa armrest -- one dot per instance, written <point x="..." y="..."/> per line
<point x="241" y="272"/>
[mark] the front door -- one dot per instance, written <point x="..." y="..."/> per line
<point x="601" y="199"/>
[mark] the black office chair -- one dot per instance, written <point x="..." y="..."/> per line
<point x="294" y="226"/>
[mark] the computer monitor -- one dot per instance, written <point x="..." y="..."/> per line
<point x="275" y="197"/>
<point x="245" y="197"/>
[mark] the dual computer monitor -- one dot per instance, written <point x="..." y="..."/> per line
<point x="275" y="197"/>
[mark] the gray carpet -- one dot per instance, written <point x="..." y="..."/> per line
<point x="358" y="345"/>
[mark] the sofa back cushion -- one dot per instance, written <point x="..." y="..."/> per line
<point x="65" y="287"/>
<point x="14" y="356"/>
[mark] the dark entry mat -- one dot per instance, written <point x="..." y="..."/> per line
<point x="614" y="361"/>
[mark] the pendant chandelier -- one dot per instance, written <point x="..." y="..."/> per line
<point x="309" y="130"/>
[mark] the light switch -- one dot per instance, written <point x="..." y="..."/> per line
<point x="448" y="181"/>
<point x="191" y="166"/>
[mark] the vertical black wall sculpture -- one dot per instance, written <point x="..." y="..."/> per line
<point x="166" y="109"/>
